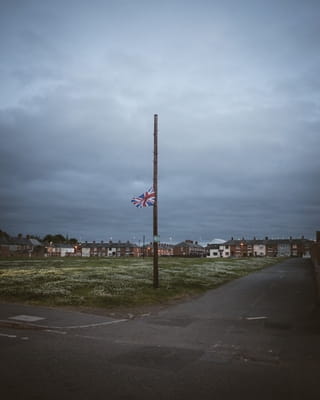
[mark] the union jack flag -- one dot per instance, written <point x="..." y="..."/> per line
<point x="145" y="199"/>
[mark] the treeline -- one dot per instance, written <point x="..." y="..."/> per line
<point x="56" y="238"/>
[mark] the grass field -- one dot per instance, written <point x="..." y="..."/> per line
<point x="113" y="282"/>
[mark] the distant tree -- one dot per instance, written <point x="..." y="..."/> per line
<point x="58" y="238"/>
<point x="47" y="238"/>
<point x="4" y="235"/>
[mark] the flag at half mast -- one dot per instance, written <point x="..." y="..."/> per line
<point x="146" y="199"/>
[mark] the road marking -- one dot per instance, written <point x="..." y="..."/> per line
<point x="25" y="323"/>
<point x="254" y="318"/>
<point x="53" y="331"/>
<point x="14" y="336"/>
<point x="26" y="318"/>
<point x="9" y="336"/>
<point x="116" y="321"/>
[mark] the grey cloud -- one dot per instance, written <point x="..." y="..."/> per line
<point x="238" y="113"/>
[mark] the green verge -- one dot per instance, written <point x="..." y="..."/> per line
<point x="114" y="282"/>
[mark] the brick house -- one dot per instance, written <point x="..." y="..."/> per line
<point x="109" y="249"/>
<point x="20" y="246"/>
<point x="270" y="247"/>
<point x="164" y="250"/>
<point x="259" y="249"/>
<point x="238" y="248"/>
<point x="218" y="250"/>
<point x="59" y="250"/>
<point x="188" y="248"/>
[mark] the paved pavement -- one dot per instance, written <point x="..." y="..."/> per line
<point x="257" y="337"/>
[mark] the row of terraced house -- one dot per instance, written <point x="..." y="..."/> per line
<point x="262" y="248"/>
<point x="189" y="248"/>
<point x="20" y="246"/>
<point x="291" y="247"/>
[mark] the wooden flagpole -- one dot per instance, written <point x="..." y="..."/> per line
<point x="155" y="207"/>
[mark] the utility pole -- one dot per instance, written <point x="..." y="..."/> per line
<point x="155" y="207"/>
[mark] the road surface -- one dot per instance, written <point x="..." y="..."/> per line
<point x="257" y="337"/>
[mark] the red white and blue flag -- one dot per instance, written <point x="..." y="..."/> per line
<point x="146" y="199"/>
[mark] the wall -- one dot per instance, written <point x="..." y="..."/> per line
<point x="315" y="256"/>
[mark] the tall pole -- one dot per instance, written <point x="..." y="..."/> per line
<point x="155" y="207"/>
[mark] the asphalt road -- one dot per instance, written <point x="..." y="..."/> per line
<point x="257" y="337"/>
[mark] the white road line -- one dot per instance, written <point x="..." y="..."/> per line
<point x="14" y="336"/>
<point x="9" y="336"/>
<point x="26" y="318"/>
<point x="253" y="318"/>
<point x="53" y="331"/>
<point x="116" y="321"/>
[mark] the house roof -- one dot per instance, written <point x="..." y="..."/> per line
<point x="217" y="241"/>
<point x="34" y="242"/>
<point x="237" y="242"/>
<point x="19" y="241"/>
<point x="188" y="243"/>
<point x="165" y="246"/>
<point x="63" y="245"/>
<point x="109" y="244"/>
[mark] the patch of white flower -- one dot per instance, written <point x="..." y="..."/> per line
<point x="76" y="280"/>
<point x="101" y="292"/>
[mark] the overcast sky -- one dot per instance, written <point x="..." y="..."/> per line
<point x="236" y="85"/>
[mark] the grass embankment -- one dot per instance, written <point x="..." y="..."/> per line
<point x="111" y="282"/>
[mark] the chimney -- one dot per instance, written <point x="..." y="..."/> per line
<point x="266" y="238"/>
